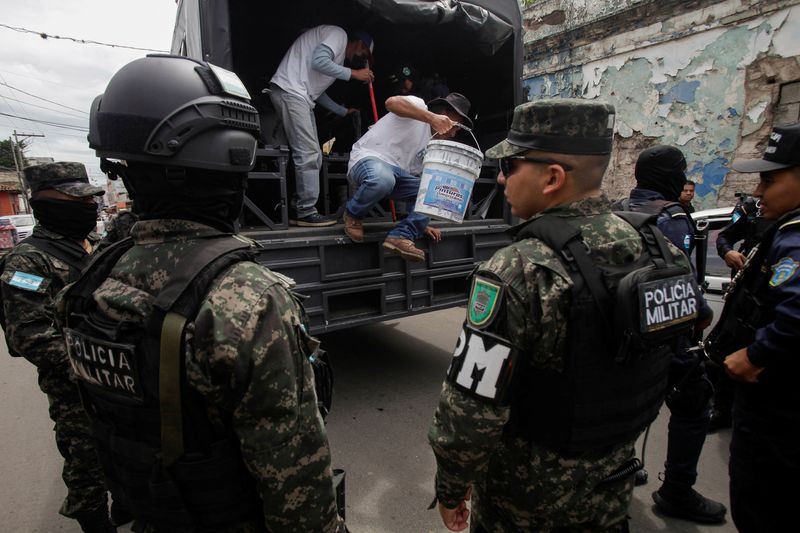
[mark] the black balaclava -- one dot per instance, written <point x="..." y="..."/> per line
<point x="662" y="169"/>
<point x="210" y="197"/>
<point x="74" y="219"/>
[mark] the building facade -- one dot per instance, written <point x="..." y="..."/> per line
<point x="708" y="76"/>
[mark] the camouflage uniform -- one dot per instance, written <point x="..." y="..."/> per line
<point x="246" y="355"/>
<point x="518" y="484"/>
<point x="31" y="333"/>
<point x="118" y="228"/>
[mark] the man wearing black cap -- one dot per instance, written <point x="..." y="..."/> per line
<point x="660" y="178"/>
<point x="537" y="419"/>
<point x="765" y="447"/>
<point x="33" y="273"/>
<point x="387" y="161"/>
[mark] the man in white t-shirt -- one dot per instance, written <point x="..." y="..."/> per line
<point x="387" y="161"/>
<point x="313" y="62"/>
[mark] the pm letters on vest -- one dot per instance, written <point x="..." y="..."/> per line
<point x="667" y="302"/>
<point x="103" y="364"/>
<point x="477" y="367"/>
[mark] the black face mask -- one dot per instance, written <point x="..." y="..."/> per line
<point x="70" y="218"/>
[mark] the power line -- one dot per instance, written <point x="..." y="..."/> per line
<point x="37" y="78"/>
<point x="27" y="116"/>
<point x="44" y="35"/>
<point x="42" y="107"/>
<point x="48" y="123"/>
<point x="45" y="99"/>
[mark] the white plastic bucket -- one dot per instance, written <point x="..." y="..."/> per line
<point x="449" y="172"/>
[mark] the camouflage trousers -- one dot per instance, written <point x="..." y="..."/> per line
<point x="531" y="489"/>
<point x="82" y="474"/>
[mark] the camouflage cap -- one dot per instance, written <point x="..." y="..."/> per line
<point x="564" y="126"/>
<point x="66" y="177"/>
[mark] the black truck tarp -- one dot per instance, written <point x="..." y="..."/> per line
<point x="250" y="36"/>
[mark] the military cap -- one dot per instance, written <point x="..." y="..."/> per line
<point x="564" y="126"/>
<point x="66" y="177"/>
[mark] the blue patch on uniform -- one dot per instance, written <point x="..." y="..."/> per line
<point x="782" y="271"/>
<point x="22" y="280"/>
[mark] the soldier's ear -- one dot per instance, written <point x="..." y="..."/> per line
<point x="556" y="179"/>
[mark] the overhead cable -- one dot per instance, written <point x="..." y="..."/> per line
<point x="48" y="123"/>
<point x="44" y="35"/>
<point x="45" y="99"/>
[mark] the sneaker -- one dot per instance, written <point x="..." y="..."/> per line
<point x="689" y="505"/>
<point x="353" y="228"/>
<point x="404" y="248"/>
<point x="313" y="220"/>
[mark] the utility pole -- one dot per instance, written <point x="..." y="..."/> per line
<point x="20" y="165"/>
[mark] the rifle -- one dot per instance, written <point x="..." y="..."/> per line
<point x="742" y="309"/>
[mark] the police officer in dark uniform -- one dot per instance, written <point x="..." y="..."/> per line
<point x="747" y="225"/>
<point x="660" y="176"/>
<point x="193" y="359"/>
<point x="765" y="448"/>
<point x="33" y="273"/>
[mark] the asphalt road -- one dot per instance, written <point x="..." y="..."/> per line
<point x="387" y="384"/>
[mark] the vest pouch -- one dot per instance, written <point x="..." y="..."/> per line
<point x="217" y="490"/>
<point x="653" y="307"/>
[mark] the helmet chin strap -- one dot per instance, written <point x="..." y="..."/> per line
<point x="112" y="169"/>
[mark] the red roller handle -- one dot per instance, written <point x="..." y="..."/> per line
<point x="375" y="118"/>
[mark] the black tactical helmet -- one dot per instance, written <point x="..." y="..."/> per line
<point x="176" y="111"/>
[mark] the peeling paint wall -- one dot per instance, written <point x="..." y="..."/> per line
<point x="693" y="79"/>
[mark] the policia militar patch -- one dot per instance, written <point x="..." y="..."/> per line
<point x="486" y="298"/>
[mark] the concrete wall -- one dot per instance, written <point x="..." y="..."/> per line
<point x="708" y="76"/>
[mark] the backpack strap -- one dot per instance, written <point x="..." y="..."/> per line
<point x="565" y="239"/>
<point x="66" y="250"/>
<point x="176" y="304"/>
<point x="652" y="237"/>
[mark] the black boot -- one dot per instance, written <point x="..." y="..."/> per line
<point x="120" y="514"/>
<point x="719" y="420"/>
<point x="96" y="521"/>
<point x="682" y="501"/>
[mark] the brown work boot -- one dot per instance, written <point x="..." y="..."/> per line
<point x="353" y="228"/>
<point x="404" y="248"/>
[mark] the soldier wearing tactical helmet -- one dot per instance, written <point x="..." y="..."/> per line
<point x="33" y="273"/>
<point x="192" y="357"/>
<point x="547" y="394"/>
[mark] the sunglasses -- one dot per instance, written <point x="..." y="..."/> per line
<point x="505" y="163"/>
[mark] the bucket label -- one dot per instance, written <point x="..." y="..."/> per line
<point x="447" y="191"/>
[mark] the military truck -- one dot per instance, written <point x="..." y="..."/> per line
<point x="473" y="47"/>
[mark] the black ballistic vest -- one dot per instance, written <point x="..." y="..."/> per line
<point x="165" y="458"/>
<point x="617" y="363"/>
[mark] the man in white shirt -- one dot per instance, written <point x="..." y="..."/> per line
<point x="387" y="161"/>
<point x="313" y="62"/>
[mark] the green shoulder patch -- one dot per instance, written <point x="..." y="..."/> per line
<point x="484" y="301"/>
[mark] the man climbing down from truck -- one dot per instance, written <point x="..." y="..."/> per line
<point x="313" y="62"/>
<point x="387" y="161"/>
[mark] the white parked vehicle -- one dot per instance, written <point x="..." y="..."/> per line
<point x="24" y="224"/>
<point x="718" y="274"/>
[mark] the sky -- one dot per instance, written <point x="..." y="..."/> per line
<point x="68" y="74"/>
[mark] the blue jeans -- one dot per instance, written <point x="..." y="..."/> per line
<point x="297" y="118"/>
<point x="376" y="180"/>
